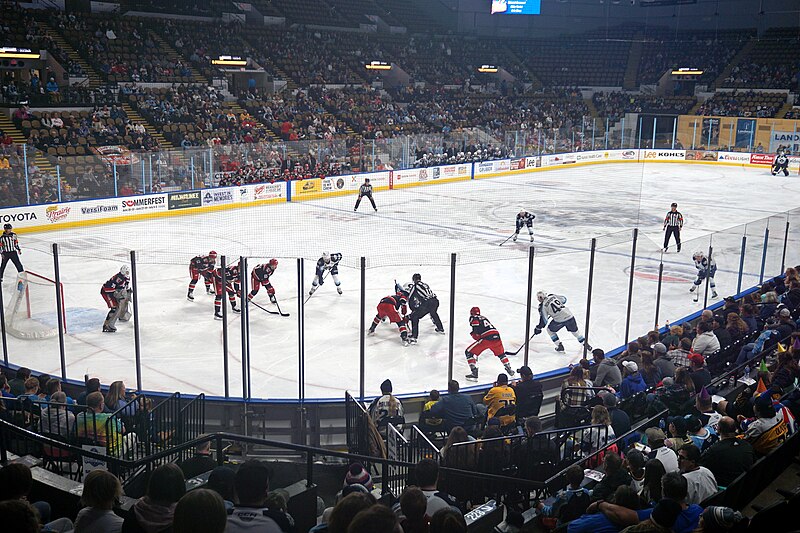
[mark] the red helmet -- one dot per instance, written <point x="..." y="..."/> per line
<point x="212" y="254"/>
<point x="475" y="311"/>
<point x="273" y="263"/>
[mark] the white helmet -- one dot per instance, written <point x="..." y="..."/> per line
<point x="698" y="255"/>
<point x="541" y="295"/>
<point x="125" y="270"/>
<point x="326" y="257"/>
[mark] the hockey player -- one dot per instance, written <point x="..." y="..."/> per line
<point x="486" y="338"/>
<point x="365" y="190"/>
<point x="706" y="268"/>
<point x="552" y="308"/>
<point x="328" y="262"/>
<point x="117" y="294"/>
<point x="524" y="219"/>
<point x="781" y="164"/>
<point x="202" y="265"/>
<point x="232" y="288"/>
<point x="422" y="301"/>
<point x="394" y="308"/>
<point x="260" y="276"/>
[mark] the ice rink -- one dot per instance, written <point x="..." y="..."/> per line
<point x="415" y="230"/>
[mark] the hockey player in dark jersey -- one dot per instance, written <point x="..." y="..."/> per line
<point x="781" y="164"/>
<point x="422" y="301"/>
<point x="486" y="338"/>
<point x="116" y="293"/>
<point x="365" y="190"/>
<point x="524" y="219"/>
<point x="393" y="307"/>
<point x="260" y="277"/>
<point x="232" y="287"/>
<point x="202" y="265"/>
<point x="327" y="263"/>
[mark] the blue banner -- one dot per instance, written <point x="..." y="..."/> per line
<point x="745" y="132"/>
<point x="516" y="7"/>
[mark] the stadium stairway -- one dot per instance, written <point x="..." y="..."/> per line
<point x="270" y="66"/>
<point x="743" y="53"/>
<point x="95" y="80"/>
<point x="40" y="160"/>
<point x="136" y="118"/>
<point x="632" y="69"/>
<point x="787" y="106"/>
<point x="172" y="55"/>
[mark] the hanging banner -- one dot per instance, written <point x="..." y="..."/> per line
<point x="745" y="132"/>
<point x="789" y="140"/>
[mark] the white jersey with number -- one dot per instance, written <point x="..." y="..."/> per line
<point x="553" y="307"/>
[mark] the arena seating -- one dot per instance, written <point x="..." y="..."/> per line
<point x="743" y="104"/>
<point x="615" y="105"/>
<point x="771" y="64"/>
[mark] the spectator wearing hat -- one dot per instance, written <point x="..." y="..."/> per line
<point x="730" y="456"/>
<point x="456" y="409"/>
<point x="705" y="407"/>
<point x="386" y="409"/>
<point x="786" y="324"/>
<point x="529" y="394"/>
<point x="700" y="480"/>
<point x="716" y="519"/>
<point x="705" y="343"/>
<point x="634" y="463"/>
<point x="357" y="474"/>
<point x="720" y="331"/>
<point x="661" y="520"/>
<point x="766" y="431"/>
<point x="606" y="371"/>
<point x="632" y="381"/>
<point x="664" y="365"/>
<point x="701" y="377"/>
<point x="501" y="402"/>
<point x="677" y="433"/>
<point x="728" y="307"/>
<point x="655" y="440"/>
<point x="10" y="250"/>
<point x="620" y="421"/>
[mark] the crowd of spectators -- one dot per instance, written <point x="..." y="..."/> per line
<point x="614" y="105"/>
<point x="743" y="104"/>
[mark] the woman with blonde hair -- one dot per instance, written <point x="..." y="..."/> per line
<point x="737" y="327"/>
<point x="572" y="397"/>
<point x="116" y="398"/>
<point x="596" y="438"/>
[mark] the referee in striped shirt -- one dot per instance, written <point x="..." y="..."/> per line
<point x="422" y="301"/>
<point x="673" y="223"/>
<point x="9" y="247"/>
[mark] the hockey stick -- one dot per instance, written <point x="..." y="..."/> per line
<point x="521" y="347"/>
<point x="279" y="309"/>
<point x="324" y="275"/>
<point x="505" y="241"/>
<point x="278" y="312"/>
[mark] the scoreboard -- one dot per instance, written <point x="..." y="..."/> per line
<point x="516" y="7"/>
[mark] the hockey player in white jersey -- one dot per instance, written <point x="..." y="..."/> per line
<point x="553" y="309"/>
<point x="706" y="268"/>
<point x="328" y="262"/>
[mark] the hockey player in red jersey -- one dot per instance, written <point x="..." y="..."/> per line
<point x="116" y="294"/>
<point x="393" y="307"/>
<point x="486" y="338"/>
<point x="202" y="265"/>
<point x="232" y="288"/>
<point x="260" y="276"/>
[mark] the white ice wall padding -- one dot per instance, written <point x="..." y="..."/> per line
<point x="23" y="307"/>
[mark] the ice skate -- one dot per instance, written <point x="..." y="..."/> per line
<point x="560" y="347"/>
<point x="473" y="375"/>
<point x="209" y="290"/>
<point x="509" y="370"/>
<point x="440" y="331"/>
<point x="189" y="296"/>
<point x="339" y="290"/>
<point x="371" y="331"/>
<point x="514" y="239"/>
<point x="218" y="315"/>
<point x="713" y="293"/>
<point x="236" y="309"/>
<point x="694" y="288"/>
<point x="109" y="329"/>
<point x="412" y="340"/>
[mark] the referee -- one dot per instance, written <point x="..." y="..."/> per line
<point x="422" y="301"/>
<point x="673" y="223"/>
<point x="9" y="247"/>
<point x="365" y="190"/>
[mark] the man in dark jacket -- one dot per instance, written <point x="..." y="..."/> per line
<point x="664" y="365"/>
<point x="456" y="409"/>
<point x="722" y="334"/>
<point x="606" y="371"/>
<point x="529" y="394"/>
<point x="620" y="421"/>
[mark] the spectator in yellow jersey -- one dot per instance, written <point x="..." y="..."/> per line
<point x="501" y="401"/>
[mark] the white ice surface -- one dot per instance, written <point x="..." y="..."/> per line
<point x="415" y="230"/>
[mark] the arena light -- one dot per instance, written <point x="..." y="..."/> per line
<point x="378" y="65"/>
<point x="11" y="52"/>
<point x="230" y="61"/>
<point x="687" y="71"/>
<point x="491" y="69"/>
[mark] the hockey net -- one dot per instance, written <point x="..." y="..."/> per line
<point x="31" y="310"/>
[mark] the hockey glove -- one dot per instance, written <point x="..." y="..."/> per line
<point x="537" y="330"/>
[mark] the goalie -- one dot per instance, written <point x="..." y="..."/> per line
<point x="781" y="164"/>
<point x="117" y="295"/>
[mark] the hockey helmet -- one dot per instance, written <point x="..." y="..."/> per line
<point x="125" y="270"/>
<point x="541" y="295"/>
<point x="475" y="311"/>
<point x="212" y="254"/>
<point x="416" y="277"/>
<point x="697" y="256"/>
<point x="402" y="295"/>
<point x="7" y="226"/>
<point x="273" y="263"/>
<point x="326" y="257"/>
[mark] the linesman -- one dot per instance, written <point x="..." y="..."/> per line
<point x="673" y="223"/>
<point x="9" y="247"/>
